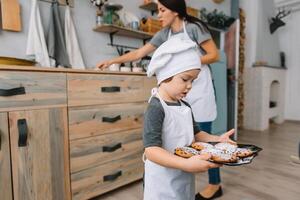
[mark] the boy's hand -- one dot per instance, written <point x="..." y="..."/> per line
<point x="225" y="137"/>
<point x="199" y="163"/>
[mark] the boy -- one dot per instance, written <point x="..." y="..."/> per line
<point x="169" y="124"/>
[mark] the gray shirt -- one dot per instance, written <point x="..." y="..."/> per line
<point x="195" y="33"/>
<point x="153" y="122"/>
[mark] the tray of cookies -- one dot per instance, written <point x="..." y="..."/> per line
<point x="221" y="153"/>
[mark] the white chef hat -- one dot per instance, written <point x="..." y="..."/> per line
<point x="173" y="57"/>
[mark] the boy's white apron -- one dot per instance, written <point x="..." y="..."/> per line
<point x="163" y="183"/>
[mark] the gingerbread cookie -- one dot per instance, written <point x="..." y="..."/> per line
<point x="201" y="145"/>
<point x="186" y="152"/>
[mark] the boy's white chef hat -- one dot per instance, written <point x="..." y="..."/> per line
<point x="173" y="57"/>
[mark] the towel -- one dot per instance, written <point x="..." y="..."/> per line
<point x="173" y="57"/>
<point x="72" y="45"/>
<point x="36" y="48"/>
<point x="56" y="39"/>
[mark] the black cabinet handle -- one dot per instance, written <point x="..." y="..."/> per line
<point x="12" y="92"/>
<point x="111" y="148"/>
<point x="23" y="132"/>
<point x="110" y="89"/>
<point x="0" y="141"/>
<point x="112" y="177"/>
<point x="111" y="119"/>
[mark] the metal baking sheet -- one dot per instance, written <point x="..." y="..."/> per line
<point x="247" y="160"/>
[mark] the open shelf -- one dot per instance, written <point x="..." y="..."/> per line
<point x="150" y="7"/>
<point x="122" y="31"/>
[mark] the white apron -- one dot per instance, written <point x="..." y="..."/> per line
<point x="163" y="183"/>
<point x="201" y="97"/>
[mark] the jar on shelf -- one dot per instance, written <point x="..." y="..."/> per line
<point x="137" y="67"/>
<point x="99" y="18"/>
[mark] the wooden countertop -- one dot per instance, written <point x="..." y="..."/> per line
<point x="45" y="69"/>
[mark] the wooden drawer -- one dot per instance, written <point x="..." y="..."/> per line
<point x="99" y="120"/>
<point x="88" y="89"/>
<point x="98" y="180"/>
<point x="25" y="90"/>
<point x="94" y="151"/>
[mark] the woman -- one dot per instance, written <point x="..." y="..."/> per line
<point x="176" y="22"/>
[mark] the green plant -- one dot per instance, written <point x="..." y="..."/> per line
<point x="216" y="19"/>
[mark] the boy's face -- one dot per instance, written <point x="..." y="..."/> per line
<point x="180" y="85"/>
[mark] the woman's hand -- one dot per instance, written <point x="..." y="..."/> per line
<point x="199" y="163"/>
<point x="104" y="64"/>
<point x="225" y="137"/>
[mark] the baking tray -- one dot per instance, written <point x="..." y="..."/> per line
<point x="243" y="161"/>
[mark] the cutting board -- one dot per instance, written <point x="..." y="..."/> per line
<point x="11" y="16"/>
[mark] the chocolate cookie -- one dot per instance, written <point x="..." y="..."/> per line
<point x="243" y="153"/>
<point x="201" y="145"/>
<point x="219" y="156"/>
<point x="186" y="152"/>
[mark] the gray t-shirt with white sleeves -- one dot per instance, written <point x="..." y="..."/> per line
<point x="194" y="32"/>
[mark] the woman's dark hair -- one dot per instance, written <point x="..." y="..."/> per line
<point x="179" y="7"/>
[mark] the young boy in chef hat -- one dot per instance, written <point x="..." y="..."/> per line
<point x="169" y="124"/>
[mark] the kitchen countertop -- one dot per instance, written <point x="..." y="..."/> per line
<point x="48" y="69"/>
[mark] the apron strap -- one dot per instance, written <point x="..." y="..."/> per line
<point x="169" y="34"/>
<point x="144" y="158"/>
<point x="154" y="91"/>
<point x="186" y="35"/>
<point x="185" y="32"/>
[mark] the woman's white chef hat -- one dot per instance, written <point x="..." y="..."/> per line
<point x="173" y="57"/>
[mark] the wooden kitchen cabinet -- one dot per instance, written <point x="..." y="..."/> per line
<point x="39" y="152"/>
<point x="105" y="129"/>
<point x="5" y="170"/>
<point x="34" y="156"/>
<point x="37" y="143"/>
<point x="69" y="134"/>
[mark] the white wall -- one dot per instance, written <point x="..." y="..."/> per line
<point x="290" y="44"/>
<point x="250" y="9"/>
<point x="93" y="44"/>
<point x="267" y="43"/>
<point x="260" y="45"/>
